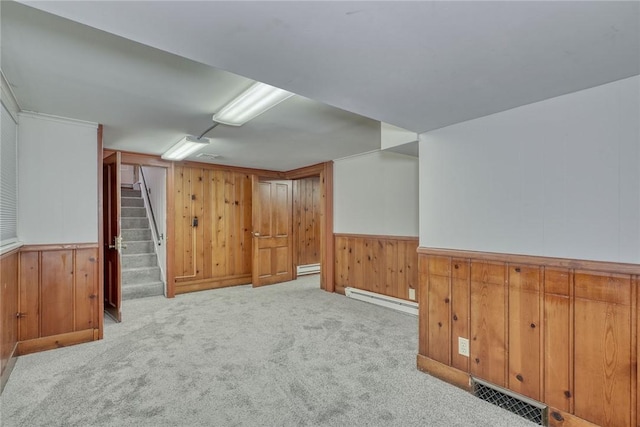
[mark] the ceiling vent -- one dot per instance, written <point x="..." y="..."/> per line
<point x="207" y="156"/>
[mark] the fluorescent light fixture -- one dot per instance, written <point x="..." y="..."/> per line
<point x="251" y="103"/>
<point x="185" y="147"/>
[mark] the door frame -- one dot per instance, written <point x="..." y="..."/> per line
<point x="112" y="182"/>
<point x="151" y="160"/>
<point x="327" y="250"/>
<point x="100" y="236"/>
<point x="168" y="169"/>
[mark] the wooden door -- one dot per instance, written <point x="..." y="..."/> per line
<point x="272" y="226"/>
<point x="112" y="238"/>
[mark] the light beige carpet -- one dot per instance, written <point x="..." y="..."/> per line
<point x="282" y="355"/>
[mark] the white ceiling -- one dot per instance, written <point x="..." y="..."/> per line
<point x="148" y="99"/>
<point x="418" y="65"/>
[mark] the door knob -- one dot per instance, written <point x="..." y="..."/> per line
<point x="255" y="234"/>
<point x="117" y="244"/>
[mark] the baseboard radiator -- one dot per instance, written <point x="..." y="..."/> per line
<point x="308" y="269"/>
<point x="382" y="300"/>
<point x="520" y="405"/>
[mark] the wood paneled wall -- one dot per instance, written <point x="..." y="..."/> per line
<point x="382" y="264"/>
<point x="8" y="310"/>
<point x="58" y="296"/>
<point x="217" y="252"/>
<point x="306" y="220"/>
<point x="563" y="332"/>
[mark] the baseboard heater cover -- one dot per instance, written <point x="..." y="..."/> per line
<point x="308" y="269"/>
<point x="530" y="409"/>
<point x="382" y="300"/>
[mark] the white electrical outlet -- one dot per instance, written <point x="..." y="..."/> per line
<point x="463" y="346"/>
<point x="412" y="294"/>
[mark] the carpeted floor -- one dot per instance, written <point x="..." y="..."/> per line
<point x="282" y="355"/>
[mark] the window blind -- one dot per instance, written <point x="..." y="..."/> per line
<point x="8" y="177"/>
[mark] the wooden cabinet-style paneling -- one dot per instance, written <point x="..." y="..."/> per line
<point x="460" y="317"/>
<point x="56" y="292"/>
<point x="487" y="347"/>
<point x="30" y="295"/>
<point x="563" y="332"/>
<point x="382" y="264"/>
<point x="439" y="325"/>
<point x="439" y="309"/>
<point x="603" y="353"/>
<point x="8" y="310"/>
<point x="86" y="277"/>
<point x="373" y="265"/>
<point x="423" y="301"/>
<point x="212" y="228"/>
<point x="524" y="322"/>
<point x="558" y="343"/>
<point x="306" y="220"/>
<point x="58" y="296"/>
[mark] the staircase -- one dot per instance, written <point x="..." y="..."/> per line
<point x="140" y="271"/>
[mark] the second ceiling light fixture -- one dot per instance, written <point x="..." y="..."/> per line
<point x="254" y="101"/>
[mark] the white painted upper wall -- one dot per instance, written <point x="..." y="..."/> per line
<point x="559" y="178"/>
<point x="392" y="136"/>
<point x="7" y="97"/>
<point x="376" y="193"/>
<point x="57" y="180"/>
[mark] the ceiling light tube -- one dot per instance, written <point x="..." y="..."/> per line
<point x="251" y="103"/>
<point x="185" y="147"/>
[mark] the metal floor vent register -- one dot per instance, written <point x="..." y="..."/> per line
<point x="520" y="405"/>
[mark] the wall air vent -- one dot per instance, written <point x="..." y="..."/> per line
<point x="527" y="408"/>
<point x="207" y="156"/>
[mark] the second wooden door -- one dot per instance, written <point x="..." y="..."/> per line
<point x="272" y="226"/>
<point x="112" y="237"/>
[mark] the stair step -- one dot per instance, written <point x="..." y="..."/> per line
<point x="126" y="192"/>
<point x="132" y="202"/>
<point x="140" y="247"/>
<point x="140" y="275"/>
<point x="127" y="212"/>
<point x="142" y="290"/>
<point x="127" y="223"/>
<point x="139" y="260"/>
<point x="135" y="234"/>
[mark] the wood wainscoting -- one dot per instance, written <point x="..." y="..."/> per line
<point x="8" y="309"/>
<point x="562" y="332"/>
<point x="58" y="301"/>
<point x="385" y="265"/>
